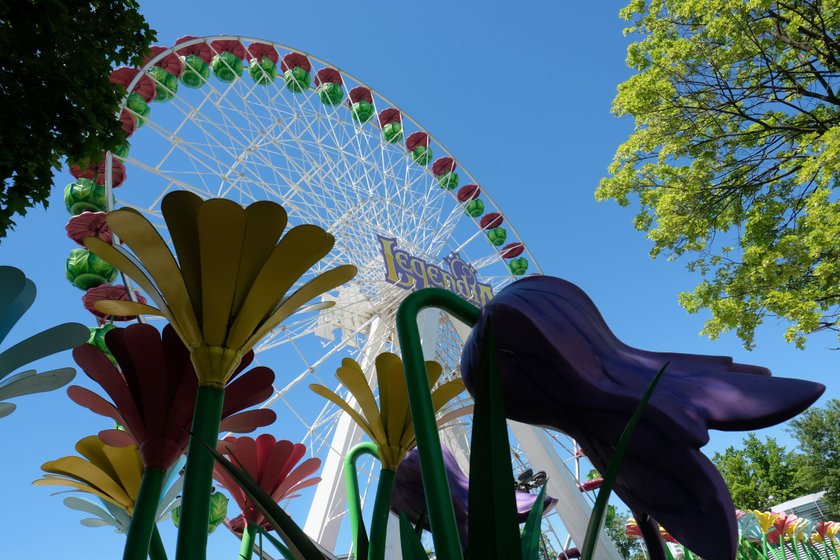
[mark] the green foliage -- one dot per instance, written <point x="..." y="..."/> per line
<point x="56" y="56"/>
<point x="760" y="474"/>
<point x="735" y="157"/>
<point x="817" y="431"/>
<point x="629" y="548"/>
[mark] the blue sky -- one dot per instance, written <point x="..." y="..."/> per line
<point x="521" y="93"/>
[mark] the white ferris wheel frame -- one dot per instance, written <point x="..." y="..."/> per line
<point x="328" y="506"/>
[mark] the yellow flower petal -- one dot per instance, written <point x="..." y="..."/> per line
<point x="298" y="250"/>
<point x="127" y="265"/>
<point x="122" y="308"/>
<point x="91" y="475"/>
<point x="84" y="487"/>
<point x="149" y="247"/>
<point x="128" y="467"/>
<point x="265" y="224"/>
<point x="180" y="211"/>
<point x="393" y="399"/>
<point x="221" y="233"/>
<point x="312" y="289"/>
<point x="358" y="419"/>
<point x="433" y="370"/>
<point x="356" y="382"/>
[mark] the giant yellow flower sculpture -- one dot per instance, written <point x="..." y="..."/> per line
<point x="226" y="290"/>
<point x="110" y="473"/>
<point x="388" y="424"/>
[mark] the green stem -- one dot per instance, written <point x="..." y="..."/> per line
<point x="287" y="554"/>
<point x="198" y="477"/>
<point x="381" y="511"/>
<point x="359" y="539"/>
<point x="246" y="550"/>
<point x="144" y="515"/>
<point x="435" y="483"/>
<point x="156" y="549"/>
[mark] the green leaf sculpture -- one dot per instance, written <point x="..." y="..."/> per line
<point x="532" y="529"/>
<point x="17" y="293"/>
<point x="492" y="502"/>
<point x="412" y="548"/>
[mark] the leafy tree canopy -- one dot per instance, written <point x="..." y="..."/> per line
<point x="57" y="101"/>
<point x="735" y="158"/>
<point x="760" y="474"/>
<point x="630" y="548"/>
<point x="817" y="431"/>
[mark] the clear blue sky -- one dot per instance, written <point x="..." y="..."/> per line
<point x="520" y="93"/>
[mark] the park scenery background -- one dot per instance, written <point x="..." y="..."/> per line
<point x="540" y="105"/>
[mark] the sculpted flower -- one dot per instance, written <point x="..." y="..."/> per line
<point x="561" y="366"/>
<point x="409" y="496"/>
<point x="226" y="290"/>
<point x="275" y="466"/>
<point x="153" y="392"/>
<point x="765" y="520"/>
<point x="110" y="473"/>
<point x="17" y="293"/>
<point x="389" y="424"/>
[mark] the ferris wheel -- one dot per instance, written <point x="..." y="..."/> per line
<point x="250" y="120"/>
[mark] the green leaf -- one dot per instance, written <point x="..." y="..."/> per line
<point x="492" y="505"/>
<point x="300" y="545"/>
<point x="412" y="548"/>
<point x="533" y="528"/>
<point x="599" y="512"/>
<point x="284" y="551"/>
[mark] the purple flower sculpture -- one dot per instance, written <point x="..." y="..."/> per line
<point x="408" y="496"/>
<point x="562" y="367"/>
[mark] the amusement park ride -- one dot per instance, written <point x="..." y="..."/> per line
<point x="341" y="159"/>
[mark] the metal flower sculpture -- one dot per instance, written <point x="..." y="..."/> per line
<point x="113" y="474"/>
<point x="225" y="292"/>
<point x="17" y="293"/>
<point x="388" y="424"/>
<point x="561" y="366"/>
<point x="409" y="497"/>
<point x="275" y="466"/>
<point x="153" y="393"/>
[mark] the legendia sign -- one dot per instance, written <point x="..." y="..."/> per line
<point x="413" y="273"/>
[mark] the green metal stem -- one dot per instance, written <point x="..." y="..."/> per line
<point x="246" y="550"/>
<point x="285" y="552"/>
<point x="198" y="477"/>
<point x="144" y="515"/>
<point x="381" y="510"/>
<point x="435" y="483"/>
<point x="156" y="549"/>
<point x="359" y="538"/>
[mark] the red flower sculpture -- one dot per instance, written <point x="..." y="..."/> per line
<point x="171" y="63"/>
<point x="96" y="172"/>
<point x="154" y="395"/>
<point x="272" y="464"/>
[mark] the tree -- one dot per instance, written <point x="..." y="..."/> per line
<point x="760" y="474"/>
<point x="629" y="548"/>
<point x="817" y="430"/>
<point x="57" y="101"/>
<point x="735" y="157"/>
